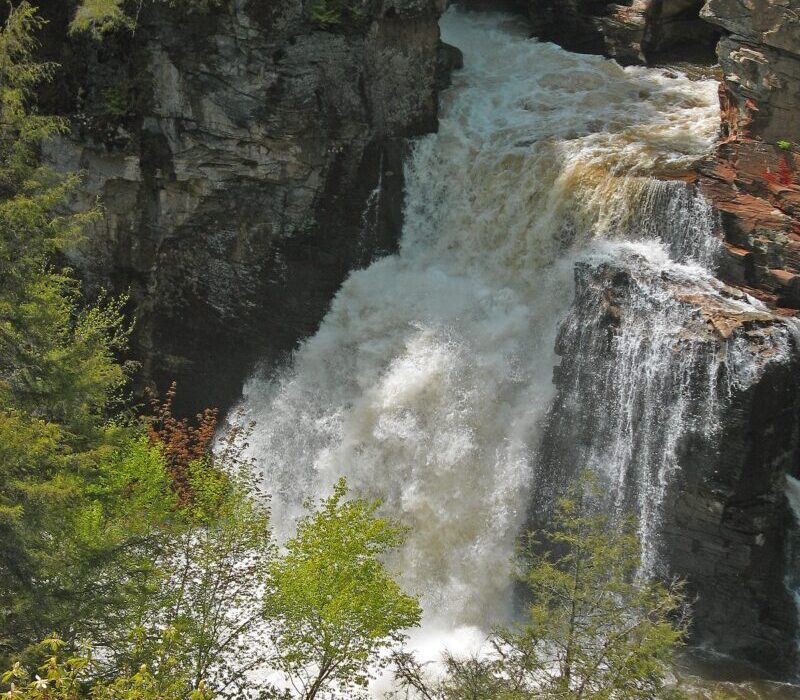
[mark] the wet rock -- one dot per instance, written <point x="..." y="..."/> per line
<point x="260" y="161"/>
<point x="631" y="31"/>
<point x="681" y="394"/>
<point x="450" y="59"/>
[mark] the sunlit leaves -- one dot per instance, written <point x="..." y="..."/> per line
<point x="332" y="606"/>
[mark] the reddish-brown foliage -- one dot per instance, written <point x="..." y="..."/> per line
<point x="181" y="441"/>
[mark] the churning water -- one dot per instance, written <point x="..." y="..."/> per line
<point x="430" y="378"/>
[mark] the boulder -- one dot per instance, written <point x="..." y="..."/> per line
<point x="631" y="31"/>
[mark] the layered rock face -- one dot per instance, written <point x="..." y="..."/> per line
<point x="682" y="396"/>
<point x="754" y="187"/>
<point x="246" y="160"/>
<point x="631" y="31"/>
<point x="760" y="56"/>
<point x="753" y="181"/>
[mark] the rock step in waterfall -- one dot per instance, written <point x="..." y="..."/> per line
<point x="534" y="229"/>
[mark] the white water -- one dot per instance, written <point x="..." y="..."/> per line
<point x="431" y="375"/>
<point x="645" y="389"/>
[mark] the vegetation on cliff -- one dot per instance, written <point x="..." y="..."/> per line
<point x="99" y="17"/>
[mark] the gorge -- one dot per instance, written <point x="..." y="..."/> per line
<point x="459" y="297"/>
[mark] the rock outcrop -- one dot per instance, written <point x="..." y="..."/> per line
<point x="685" y="398"/>
<point x="760" y="56"/>
<point x="631" y="31"/>
<point x="753" y="183"/>
<point x="753" y="180"/>
<point x="246" y="160"/>
<point x="754" y="187"/>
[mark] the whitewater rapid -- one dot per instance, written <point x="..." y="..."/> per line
<point x="430" y="378"/>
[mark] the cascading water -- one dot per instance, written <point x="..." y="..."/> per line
<point x="650" y="357"/>
<point x="430" y="379"/>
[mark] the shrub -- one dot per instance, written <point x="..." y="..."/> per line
<point x="328" y="14"/>
<point x="593" y="629"/>
<point x="64" y="676"/>
<point x="100" y="17"/>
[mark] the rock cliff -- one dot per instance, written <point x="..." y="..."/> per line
<point x="685" y="399"/>
<point x="753" y="180"/>
<point x="760" y="56"/>
<point x="631" y="31"/>
<point x="246" y="160"/>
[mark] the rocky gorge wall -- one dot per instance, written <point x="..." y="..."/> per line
<point x="631" y="31"/>
<point x="686" y="402"/>
<point x="727" y="524"/>
<point x="753" y="180"/>
<point x="753" y="183"/>
<point x="246" y="160"/>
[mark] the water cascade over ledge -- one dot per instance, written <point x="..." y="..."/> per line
<point x="430" y="382"/>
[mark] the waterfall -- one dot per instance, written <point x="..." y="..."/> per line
<point x="650" y="353"/>
<point x="430" y="380"/>
<point x="793" y="568"/>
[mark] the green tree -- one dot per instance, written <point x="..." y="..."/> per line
<point x="332" y="607"/>
<point x="594" y="629"/>
<point x="475" y="677"/>
<point x="96" y="532"/>
<point x="65" y="676"/>
<point x="213" y="572"/>
<point x="59" y="373"/>
<point x="57" y="358"/>
<point x="140" y="554"/>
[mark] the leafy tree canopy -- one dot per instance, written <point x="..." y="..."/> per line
<point x="331" y="605"/>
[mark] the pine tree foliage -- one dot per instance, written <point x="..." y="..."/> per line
<point x="59" y="373"/>
<point x="594" y="629"/>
